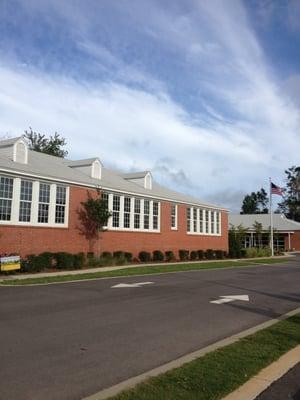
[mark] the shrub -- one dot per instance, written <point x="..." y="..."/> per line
<point x="106" y="254"/>
<point x="194" y="255"/>
<point x="79" y="260"/>
<point x="264" y="252"/>
<point x="225" y="254"/>
<point x="34" y="263"/>
<point x="219" y="254"/>
<point x="144" y="256"/>
<point x="251" y="252"/>
<point x="209" y="254"/>
<point x="169" y="255"/>
<point x="158" y="255"/>
<point x="120" y="260"/>
<point x="118" y="254"/>
<point x="64" y="260"/>
<point x="200" y="254"/>
<point x="128" y="256"/>
<point x="183" y="255"/>
<point x="47" y="258"/>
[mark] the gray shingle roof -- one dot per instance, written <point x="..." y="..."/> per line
<point x="280" y="222"/>
<point x="55" y="168"/>
<point x="134" y="175"/>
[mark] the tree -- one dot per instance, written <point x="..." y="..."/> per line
<point x="236" y="241"/>
<point x="52" y="145"/>
<point x="93" y="215"/>
<point x="290" y="206"/>
<point x="255" y="203"/>
<point x="258" y="229"/>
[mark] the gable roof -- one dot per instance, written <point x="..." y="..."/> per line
<point x="49" y="167"/>
<point x="280" y="222"/>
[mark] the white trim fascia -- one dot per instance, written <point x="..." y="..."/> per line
<point x="106" y="188"/>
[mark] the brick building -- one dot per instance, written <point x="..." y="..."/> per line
<point x="40" y="196"/>
<point x="286" y="231"/>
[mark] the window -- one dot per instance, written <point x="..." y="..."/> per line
<point x="127" y="207"/>
<point x="201" y="220"/>
<point x="60" y="207"/>
<point x="174" y="216"/>
<point x="212" y="222"/>
<point x="146" y="213"/>
<point x="104" y="197"/>
<point x="206" y="221"/>
<point x="116" y="211"/>
<point x="137" y="213"/>
<point x="195" y="219"/>
<point x="44" y="201"/>
<point x="6" y="194"/>
<point x="25" y="201"/>
<point x="155" y="215"/>
<point x="218" y="223"/>
<point x="188" y="219"/>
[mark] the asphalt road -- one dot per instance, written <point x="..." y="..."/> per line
<point x="68" y="341"/>
<point x="286" y="388"/>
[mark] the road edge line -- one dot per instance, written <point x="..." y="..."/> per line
<point x="132" y="382"/>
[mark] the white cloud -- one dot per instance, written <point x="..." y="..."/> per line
<point x="250" y="130"/>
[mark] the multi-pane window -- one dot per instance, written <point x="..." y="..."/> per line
<point x="206" y="221"/>
<point x="212" y="222"/>
<point x="195" y="219"/>
<point x="127" y="202"/>
<point x="104" y="197"/>
<point x="6" y="194"/>
<point x="188" y="219"/>
<point x="137" y="213"/>
<point x="201" y="220"/>
<point x="173" y="216"/>
<point x="218" y="223"/>
<point x="60" y="207"/>
<point x="155" y="215"/>
<point x="25" y="201"/>
<point x="116" y="211"/>
<point x="146" y="213"/>
<point x="44" y="202"/>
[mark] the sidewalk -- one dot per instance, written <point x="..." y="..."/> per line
<point x="116" y="268"/>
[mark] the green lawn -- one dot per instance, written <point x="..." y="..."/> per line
<point x="218" y="373"/>
<point x="143" y="270"/>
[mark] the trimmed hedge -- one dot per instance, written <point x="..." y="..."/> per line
<point x="157" y="255"/>
<point x="169" y="256"/>
<point x="144" y="256"/>
<point x="183" y="255"/>
<point x="210" y="254"/>
<point x="200" y="254"/>
<point x="193" y="255"/>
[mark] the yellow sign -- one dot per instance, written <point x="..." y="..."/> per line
<point x="10" y="263"/>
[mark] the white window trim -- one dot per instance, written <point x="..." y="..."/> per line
<point x="132" y="229"/>
<point x="211" y="214"/>
<point x="174" y="228"/>
<point x="35" y="204"/>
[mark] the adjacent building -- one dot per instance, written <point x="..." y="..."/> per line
<point x="286" y="231"/>
<point x="40" y="196"/>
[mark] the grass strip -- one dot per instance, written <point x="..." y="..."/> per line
<point x="220" y="372"/>
<point x="143" y="270"/>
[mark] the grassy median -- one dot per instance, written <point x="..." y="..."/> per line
<point x="143" y="270"/>
<point x="220" y="372"/>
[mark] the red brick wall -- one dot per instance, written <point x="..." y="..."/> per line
<point x="34" y="240"/>
<point x="295" y="241"/>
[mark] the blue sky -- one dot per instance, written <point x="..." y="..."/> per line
<point x="206" y="94"/>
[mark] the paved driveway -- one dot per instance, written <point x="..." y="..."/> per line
<point x="68" y="341"/>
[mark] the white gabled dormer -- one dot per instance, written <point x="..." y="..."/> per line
<point x="15" y="149"/>
<point x="91" y="167"/>
<point x="20" y="151"/>
<point x="143" y="179"/>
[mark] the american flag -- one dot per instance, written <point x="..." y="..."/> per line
<point x="276" y="189"/>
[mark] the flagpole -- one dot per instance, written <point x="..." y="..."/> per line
<point x="271" y="220"/>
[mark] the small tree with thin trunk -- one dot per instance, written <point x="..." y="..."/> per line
<point x="93" y="215"/>
<point x="258" y="229"/>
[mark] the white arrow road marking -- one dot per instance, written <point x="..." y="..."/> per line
<point x="227" y="299"/>
<point x="123" y="285"/>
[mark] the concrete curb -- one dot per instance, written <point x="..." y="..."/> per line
<point x="256" y="385"/>
<point x="117" y="268"/>
<point x="131" y="382"/>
